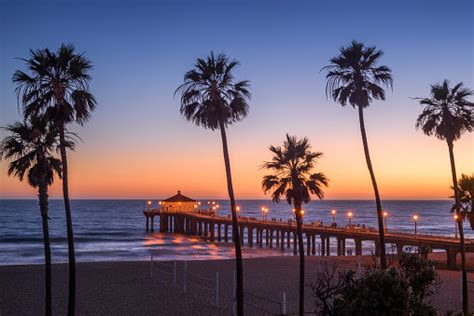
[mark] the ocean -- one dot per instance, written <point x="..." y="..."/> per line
<point x="114" y="230"/>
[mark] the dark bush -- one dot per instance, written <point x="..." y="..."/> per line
<point x="378" y="292"/>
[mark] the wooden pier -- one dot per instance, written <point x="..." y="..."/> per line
<point x="278" y="234"/>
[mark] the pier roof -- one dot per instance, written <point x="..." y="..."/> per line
<point x="179" y="198"/>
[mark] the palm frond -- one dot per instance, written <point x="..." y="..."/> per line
<point x="292" y="165"/>
<point x="447" y="113"/>
<point x="354" y="77"/>
<point x="209" y="95"/>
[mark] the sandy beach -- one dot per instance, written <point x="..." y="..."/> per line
<point x="126" y="288"/>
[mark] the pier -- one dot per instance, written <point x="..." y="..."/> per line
<point x="278" y="234"/>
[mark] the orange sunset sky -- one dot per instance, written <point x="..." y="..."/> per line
<point x="137" y="145"/>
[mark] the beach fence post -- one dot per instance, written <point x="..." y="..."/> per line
<point x="283" y="305"/>
<point x="151" y="264"/>
<point x="217" y="289"/>
<point x="184" y="276"/>
<point x="234" y="293"/>
<point x="174" y="273"/>
<point x="359" y="268"/>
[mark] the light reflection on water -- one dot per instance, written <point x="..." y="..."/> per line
<point x="166" y="246"/>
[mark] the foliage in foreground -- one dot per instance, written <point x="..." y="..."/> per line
<point x="378" y="292"/>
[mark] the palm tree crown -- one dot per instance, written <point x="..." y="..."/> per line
<point x="466" y="187"/>
<point x="354" y="77"/>
<point x="466" y="198"/>
<point x="58" y="84"/>
<point x="293" y="178"/>
<point x="447" y="113"/>
<point x="209" y="94"/>
<point x="30" y="148"/>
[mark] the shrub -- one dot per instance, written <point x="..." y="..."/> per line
<point x="378" y="292"/>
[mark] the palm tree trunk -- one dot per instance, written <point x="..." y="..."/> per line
<point x="383" y="259"/>
<point x="465" y="290"/>
<point x="43" y="202"/>
<point x="299" y="233"/>
<point x="235" y="225"/>
<point x="70" y="234"/>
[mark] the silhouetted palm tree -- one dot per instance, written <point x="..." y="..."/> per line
<point x="466" y="198"/>
<point x="57" y="85"/>
<point x="447" y="115"/>
<point x="294" y="180"/>
<point x="354" y="77"/>
<point x="212" y="99"/>
<point x="29" y="148"/>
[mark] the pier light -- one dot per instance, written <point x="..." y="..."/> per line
<point x="149" y="202"/>
<point x="349" y="214"/>
<point x="385" y="216"/>
<point x="159" y="203"/>
<point x="199" y="203"/>
<point x="456" y="217"/>
<point x="263" y="212"/>
<point x="237" y="208"/>
<point x="302" y="212"/>
<point x="333" y="212"/>
<point x="415" y="219"/>
<point x="294" y="210"/>
<point x="217" y="205"/>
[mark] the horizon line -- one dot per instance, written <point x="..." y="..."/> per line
<point x="224" y="199"/>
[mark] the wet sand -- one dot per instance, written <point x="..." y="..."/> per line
<point x="126" y="288"/>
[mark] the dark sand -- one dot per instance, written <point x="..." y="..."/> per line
<point x="126" y="288"/>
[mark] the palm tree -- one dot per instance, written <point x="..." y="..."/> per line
<point x="293" y="165"/>
<point x="354" y="77"/>
<point x="58" y="86"/>
<point x="447" y="115"/>
<point x="466" y="198"/>
<point x="30" y="149"/>
<point x="210" y="98"/>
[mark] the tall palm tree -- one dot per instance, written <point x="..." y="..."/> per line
<point x="293" y="179"/>
<point x="57" y="85"/>
<point x="212" y="99"/>
<point x="466" y="198"/>
<point x="354" y="77"/>
<point x="29" y="148"/>
<point x="447" y="115"/>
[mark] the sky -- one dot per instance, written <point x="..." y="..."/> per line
<point x="137" y="145"/>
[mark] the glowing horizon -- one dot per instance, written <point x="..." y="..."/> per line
<point x="136" y="145"/>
